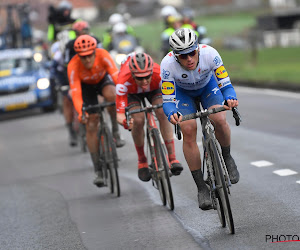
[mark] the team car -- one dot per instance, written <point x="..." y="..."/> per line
<point x="24" y="81"/>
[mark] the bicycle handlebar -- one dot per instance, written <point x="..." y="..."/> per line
<point x="144" y="109"/>
<point x="199" y="114"/>
<point x="203" y="113"/>
<point x="99" y="106"/>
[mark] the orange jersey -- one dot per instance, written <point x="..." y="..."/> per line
<point x="126" y="85"/>
<point x="77" y="74"/>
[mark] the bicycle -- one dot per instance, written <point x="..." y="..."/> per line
<point x="217" y="176"/>
<point x="159" y="166"/>
<point x="107" y="148"/>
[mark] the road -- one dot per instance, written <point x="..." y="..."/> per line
<point x="48" y="200"/>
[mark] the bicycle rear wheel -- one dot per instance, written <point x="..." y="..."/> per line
<point x="221" y="185"/>
<point x="112" y="161"/>
<point x="163" y="167"/>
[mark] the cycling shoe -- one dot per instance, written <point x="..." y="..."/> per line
<point x="204" y="199"/>
<point x="233" y="173"/>
<point x="143" y="172"/>
<point x="176" y="167"/>
<point x="99" y="182"/>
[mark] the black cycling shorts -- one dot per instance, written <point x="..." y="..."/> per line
<point x="90" y="92"/>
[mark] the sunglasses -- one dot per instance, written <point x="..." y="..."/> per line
<point x="142" y="78"/>
<point x="185" y="56"/>
<point x="87" y="56"/>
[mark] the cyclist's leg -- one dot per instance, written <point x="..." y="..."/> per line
<point x="89" y="97"/>
<point x="107" y="89"/>
<point x="212" y="97"/>
<point x="191" y="151"/>
<point x="67" y="109"/>
<point x="138" y="136"/>
<point x="166" y="131"/>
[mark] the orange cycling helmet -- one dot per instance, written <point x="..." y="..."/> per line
<point x="80" y="25"/>
<point x="85" y="45"/>
<point x="141" y="65"/>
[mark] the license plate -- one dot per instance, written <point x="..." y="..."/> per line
<point x="17" y="101"/>
<point x="16" y="106"/>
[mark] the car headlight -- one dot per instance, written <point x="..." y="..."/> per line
<point x="43" y="83"/>
<point x="38" y="57"/>
<point x="120" y="58"/>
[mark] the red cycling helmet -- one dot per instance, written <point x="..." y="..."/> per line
<point x="85" y="45"/>
<point x="141" y="65"/>
<point x="80" y="25"/>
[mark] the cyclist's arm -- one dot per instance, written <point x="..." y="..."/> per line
<point x="75" y="86"/>
<point x="122" y="99"/>
<point x="168" y="89"/>
<point x="51" y="33"/>
<point x="221" y="76"/>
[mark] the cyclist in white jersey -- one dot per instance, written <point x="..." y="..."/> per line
<point x="190" y="72"/>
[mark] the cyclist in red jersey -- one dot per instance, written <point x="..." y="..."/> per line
<point x="92" y="72"/>
<point x="139" y="77"/>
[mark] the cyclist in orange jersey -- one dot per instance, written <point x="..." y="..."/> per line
<point x="92" y="72"/>
<point x="139" y="77"/>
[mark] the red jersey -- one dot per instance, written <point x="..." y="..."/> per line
<point x="77" y="73"/>
<point x="126" y="85"/>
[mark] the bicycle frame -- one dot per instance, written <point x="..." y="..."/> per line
<point x="159" y="167"/>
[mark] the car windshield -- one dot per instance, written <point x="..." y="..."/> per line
<point x="18" y="65"/>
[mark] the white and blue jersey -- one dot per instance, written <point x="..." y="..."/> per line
<point x="209" y="82"/>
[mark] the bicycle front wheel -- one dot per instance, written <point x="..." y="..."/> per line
<point x="156" y="180"/>
<point x="222" y="191"/>
<point x="163" y="167"/>
<point x="109" y="150"/>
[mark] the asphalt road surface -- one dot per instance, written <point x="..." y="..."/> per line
<point x="48" y="201"/>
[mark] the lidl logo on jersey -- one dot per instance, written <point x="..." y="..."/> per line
<point x="221" y="72"/>
<point x="168" y="88"/>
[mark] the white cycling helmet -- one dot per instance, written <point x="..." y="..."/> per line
<point x="119" y="28"/>
<point x="183" y="41"/>
<point x="115" y="18"/>
<point x="65" y="5"/>
<point x="168" y="10"/>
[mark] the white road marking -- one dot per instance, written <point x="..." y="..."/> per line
<point x="261" y="164"/>
<point x="285" y="172"/>
<point x="298" y="182"/>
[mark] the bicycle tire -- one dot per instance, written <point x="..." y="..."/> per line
<point x="82" y="138"/>
<point x="221" y="186"/>
<point x="107" y="178"/>
<point x="112" y="161"/>
<point x="155" y="178"/>
<point x="162" y="161"/>
<point x="217" y="202"/>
